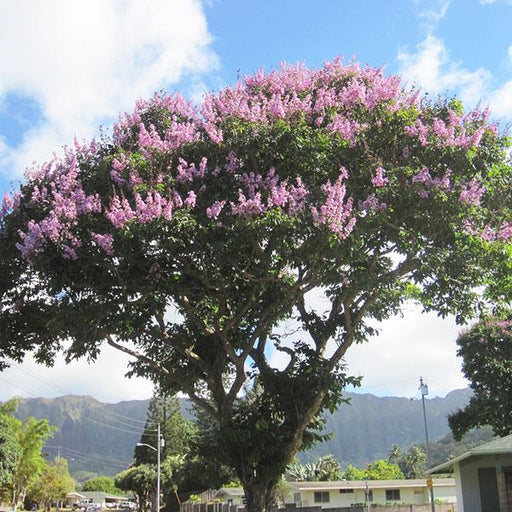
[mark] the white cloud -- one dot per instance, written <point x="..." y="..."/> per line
<point x="435" y="12"/>
<point x="407" y="347"/>
<point x="431" y="69"/>
<point x="104" y="379"/>
<point x="83" y="62"/>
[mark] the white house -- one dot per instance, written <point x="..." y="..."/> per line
<point x="348" y="492"/>
<point x="483" y="477"/>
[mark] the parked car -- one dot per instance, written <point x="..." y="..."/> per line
<point x="93" y="508"/>
<point x="81" y="505"/>
<point x="128" y="505"/>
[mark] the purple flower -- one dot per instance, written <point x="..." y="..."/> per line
<point x="379" y="180"/>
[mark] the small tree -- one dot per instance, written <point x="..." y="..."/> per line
<point x="486" y="351"/>
<point x="103" y="484"/>
<point x="175" y="430"/>
<point x="383" y="470"/>
<point x="10" y="448"/>
<point x="52" y="485"/>
<point x="30" y="436"/>
<point x="193" y="235"/>
<point x="141" y="481"/>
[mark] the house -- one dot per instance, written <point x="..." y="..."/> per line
<point x="483" y="477"/>
<point x="230" y="495"/>
<point x="348" y="492"/>
<point x="98" y="497"/>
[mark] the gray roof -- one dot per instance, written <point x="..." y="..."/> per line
<point x="499" y="445"/>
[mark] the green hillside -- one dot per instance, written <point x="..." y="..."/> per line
<point x="99" y="438"/>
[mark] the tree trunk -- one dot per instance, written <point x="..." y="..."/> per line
<point x="259" y="494"/>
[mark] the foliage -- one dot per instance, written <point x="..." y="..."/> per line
<point x="192" y="237"/>
<point x="413" y="463"/>
<point x="52" y="485"/>
<point x="141" y="481"/>
<point x="31" y="435"/>
<point x="395" y="454"/>
<point x="10" y="448"/>
<point x="353" y="473"/>
<point x="448" y="448"/>
<point x="377" y="470"/>
<point x="103" y="484"/>
<point x="176" y="431"/>
<point x="326" y="468"/>
<point x="383" y="470"/>
<point x="486" y="351"/>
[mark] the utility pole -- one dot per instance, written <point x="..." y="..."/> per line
<point x="158" y="471"/>
<point x="424" y="391"/>
<point x="159" y="445"/>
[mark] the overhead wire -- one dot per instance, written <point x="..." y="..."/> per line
<point x="90" y="457"/>
<point x="127" y="421"/>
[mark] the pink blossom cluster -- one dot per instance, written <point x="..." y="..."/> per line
<point x="424" y="177"/>
<point x="379" y="180"/>
<point x="336" y="213"/>
<point x="454" y="133"/>
<point x="183" y="126"/>
<point x="296" y="91"/>
<point x="279" y="194"/>
<point x="105" y="242"/>
<point x="490" y="234"/>
<point x="472" y="194"/>
<point x="65" y="202"/>
<point x="345" y="100"/>
<point x="372" y="203"/>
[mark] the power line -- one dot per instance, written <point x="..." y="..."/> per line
<point x="107" y="411"/>
<point x="77" y="453"/>
<point x="112" y="426"/>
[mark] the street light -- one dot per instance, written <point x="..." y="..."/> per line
<point x="160" y="444"/>
<point x="424" y="391"/>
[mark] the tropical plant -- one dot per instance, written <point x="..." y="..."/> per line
<point x="10" y="448"/>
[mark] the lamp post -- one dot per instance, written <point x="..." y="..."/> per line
<point x="160" y="444"/>
<point x="424" y="391"/>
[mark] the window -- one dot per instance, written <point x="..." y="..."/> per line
<point x="345" y="491"/>
<point x="322" y="497"/>
<point x="392" y="494"/>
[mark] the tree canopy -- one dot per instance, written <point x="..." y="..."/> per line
<point x="278" y="218"/>
<point x="486" y="351"/>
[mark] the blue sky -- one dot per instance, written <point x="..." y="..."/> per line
<point x="68" y="67"/>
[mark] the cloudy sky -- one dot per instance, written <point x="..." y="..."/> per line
<point x="69" y="67"/>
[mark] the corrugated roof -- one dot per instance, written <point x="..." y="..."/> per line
<point x="494" y="447"/>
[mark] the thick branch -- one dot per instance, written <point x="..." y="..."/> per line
<point x="137" y="355"/>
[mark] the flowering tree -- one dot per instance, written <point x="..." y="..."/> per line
<point x="486" y="351"/>
<point x="192" y="235"/>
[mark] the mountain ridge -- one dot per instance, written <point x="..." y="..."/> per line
<point x="99" y="437"/>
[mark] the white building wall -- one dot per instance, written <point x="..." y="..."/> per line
<point x="409" y="495"/>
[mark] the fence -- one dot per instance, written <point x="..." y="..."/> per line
<point x="223" y="507"/>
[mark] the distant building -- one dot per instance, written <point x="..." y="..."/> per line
<point x="379" y="492"/>
<point x="344" y="493"/>
<point x="483" y="477"/>
<point x="96" y="497"/>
